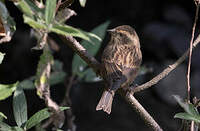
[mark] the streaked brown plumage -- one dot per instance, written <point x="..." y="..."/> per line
<point x="121" y="60"/>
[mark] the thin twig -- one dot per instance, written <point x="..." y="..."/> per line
<point x="142" y="112"/>
<point x="82" y="52"/>
<point x="190" y="52"/>
<point x="190" y="58"/>
<point x="67" y="102"/>
<point x="166" y="71"/>
<point x="58" y="5"/>
<point x="43" y="87"/>
<point x="192" y="126"/>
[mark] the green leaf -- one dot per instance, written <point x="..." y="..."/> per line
<point x="4" y="12"/>
<point x="27" y="83"/>
<point x="62" y="108"/>
<point x="189" y="108"/>
<point x="24" y="7"/>
<point x="69" y="30"/>
<point x="192" y="110"/>
<point x="78" y="65"/>
<point x="187" y="116"/>
<point x="82" y="2"/>
<point x="16" y="128"/>
<point x="46" y="59"/>
<point x="28" y="8"/>
<point x="33" y="23"/>
<point x="4" y="127"/>
<point x="50" y="11"/>
<point x="99" y="31"/>
<point x="40" y="116"/>
<point x="19" y="107"/>
<point x="39" y="12"/>
<point x="2" y="115"/>
<point x="90" y="76"/>
<point x="1" y="57"/>
<point x="7" y="90"/>
<point x="57" y="77"/>
<point x="38" y="127"/>
<point x="57" y="65"/>
<point x="37" y="118"/>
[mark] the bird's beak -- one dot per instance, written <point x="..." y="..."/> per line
<point x="111" y="30"/>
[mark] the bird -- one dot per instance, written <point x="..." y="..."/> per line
<point x="120" y="61"/>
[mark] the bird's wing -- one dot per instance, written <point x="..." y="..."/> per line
<point x="128" y="57"/>
<point x="124" y="57"/>
<point x="123" y="64"/>
<point x="112" y="70"/>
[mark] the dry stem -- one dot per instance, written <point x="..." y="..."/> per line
<point x="190" y="52"/>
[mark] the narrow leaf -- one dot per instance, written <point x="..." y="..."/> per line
<point x="57" y="77"/>
<point x="28" y="8"/>
<point x="19" y="107"/>
<point x="39" y="127"/>
<point x="78" y="65"/>
<point x="50" y="11"/>
<point x="35" y="9"/>
<point x="192" y="110"/>
<point x="90" y="76"/>
<point x="33" y="23"/>
<point x="40" y="116"/>
<point x="4" y="127"/>
<point x="1" y="57"/>
<point x="82" y="2"/>
<point x="7" y="90"/>
<point x="57" y="66"/>
<point x="2" y="115"/>
<point x="100" y="31"/>
<point x="37" y="118"/>
<point x="27" y="84"/>
<point x="24" y="7"/>
<point x="189" y="108"/>
<point x="69" y="30"/>
<point x="16" y="128"/>
<point x="187" y="116"/>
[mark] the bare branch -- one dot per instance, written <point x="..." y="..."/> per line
<point x="42" y="85"/>
<point x="142" y="112"/>
<point x="190" y="52"/>
<point x="166" y="71"/>
<point x="82" y="52"/>
<point x="67" y="102"/>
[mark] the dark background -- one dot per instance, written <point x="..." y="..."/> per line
<point x="164" y="29"/>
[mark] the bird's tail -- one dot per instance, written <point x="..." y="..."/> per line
<point x="105" y="102"/>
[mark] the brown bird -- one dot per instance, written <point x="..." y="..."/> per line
<point x="121" y="60"/>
